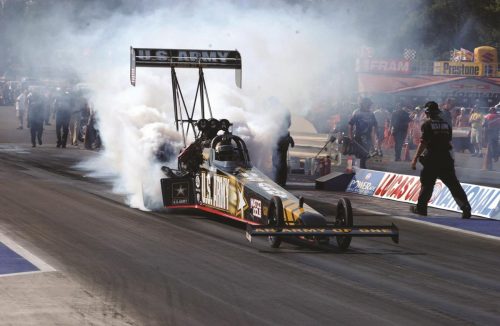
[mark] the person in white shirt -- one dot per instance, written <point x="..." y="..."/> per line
<point x="21" y="105"/>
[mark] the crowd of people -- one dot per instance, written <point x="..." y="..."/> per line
<point x="475" y="130"/>
<point x="38" y="106"/>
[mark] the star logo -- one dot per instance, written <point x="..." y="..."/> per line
<point x="179" y="190"/>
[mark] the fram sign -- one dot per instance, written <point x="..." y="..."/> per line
<point x="383" y="66"/>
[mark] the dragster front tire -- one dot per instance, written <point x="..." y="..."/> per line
<point x="276" y="219"/>
<point x="344" y="218"/>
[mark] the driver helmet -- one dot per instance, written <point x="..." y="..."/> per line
<point x="224" y="152"/>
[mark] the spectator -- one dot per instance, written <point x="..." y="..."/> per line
<point x="417" y="117"/>
<point x="454" y="116"/>
<point x="491" y="132"/>
<point x="49" y="101"/>
<point x="446" y="112"/>
<point x="462" y="121"/>
<point x="62" y="111"/>
<point x="80" y="120"/>
<point x="35" y="116"/>
<point x="382" y="116"/>
<point x="476" y="120"/>
<point x="92" y="140"/>
<point x="362" y="130"/>
<point x="21" y="105"/>
<point x="399" y="128"/>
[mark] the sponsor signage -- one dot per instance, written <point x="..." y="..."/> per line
<point x="256" y="206"/>
<point x="364" y="182"/>
<point x="180" y="55"/>
<point x="483" y="200"/>
<point x="185" y="58"/>
<point x="383" y="66"/>
<point x="450" y="68"/>
<point x="215" y="191"/>
<point x="403" y="188"/>
<point x="180" y="193"/>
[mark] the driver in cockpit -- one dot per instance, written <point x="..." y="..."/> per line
<point x="226" y="152"/>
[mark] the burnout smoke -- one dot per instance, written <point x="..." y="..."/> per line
<point x="294" y="59"/>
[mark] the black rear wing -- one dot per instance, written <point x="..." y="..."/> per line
<point x="184" y="58"/>
<point x="329" y="231"/>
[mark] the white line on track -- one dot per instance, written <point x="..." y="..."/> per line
<point x="440" y="226"/>
<point x="40" y="264"/>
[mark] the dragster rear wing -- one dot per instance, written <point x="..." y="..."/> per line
<point x="184" y="58"/>
<point x="329" y="230"/>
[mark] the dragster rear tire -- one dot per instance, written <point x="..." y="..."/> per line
<point x="147" y="201"/>
<point x="344" y="218"/>
<point x="275" y="218"/>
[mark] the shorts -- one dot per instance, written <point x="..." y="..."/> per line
<point x="475" y="136"/>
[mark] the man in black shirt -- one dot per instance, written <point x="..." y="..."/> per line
<point x="279" y="158"/>
<point x="63" y="107"/>
<point x="437" y="162"/>
<point x="362" y="129"/>
<point x="399" y="128"/>
<point x="35" y="116"/>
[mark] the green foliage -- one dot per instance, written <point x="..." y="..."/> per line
<point x="443" y="25"/>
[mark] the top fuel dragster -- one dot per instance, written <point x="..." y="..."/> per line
<point x="215" y="173"/>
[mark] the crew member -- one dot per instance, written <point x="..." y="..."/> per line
<point x="362" y="131"/>
<point x="399" y="128"/>
<point x="437" y="161"/>
<point x="35" y="117"/>
<point x="280" y="168"/>
<point x="62" y="111"/>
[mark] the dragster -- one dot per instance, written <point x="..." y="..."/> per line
<point x="214" y="172"/>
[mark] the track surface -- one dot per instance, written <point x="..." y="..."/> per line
<point x="116" y="265"/>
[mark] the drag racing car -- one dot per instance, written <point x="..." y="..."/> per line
<point x="215" y="173"/>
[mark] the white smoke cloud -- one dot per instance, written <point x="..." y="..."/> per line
<point x="293" y="60"/>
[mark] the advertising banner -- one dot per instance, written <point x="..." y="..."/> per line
<point x="403" y="188"/>
<point x="365" y="182"/>
<point x="383" y="66"/>
<point x="483" y="200"/>
<point x="450" y="68"/>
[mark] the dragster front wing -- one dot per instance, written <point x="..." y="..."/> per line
<point x="329" y="231"/>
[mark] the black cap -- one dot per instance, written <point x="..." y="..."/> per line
<point x="431" y="108"/>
